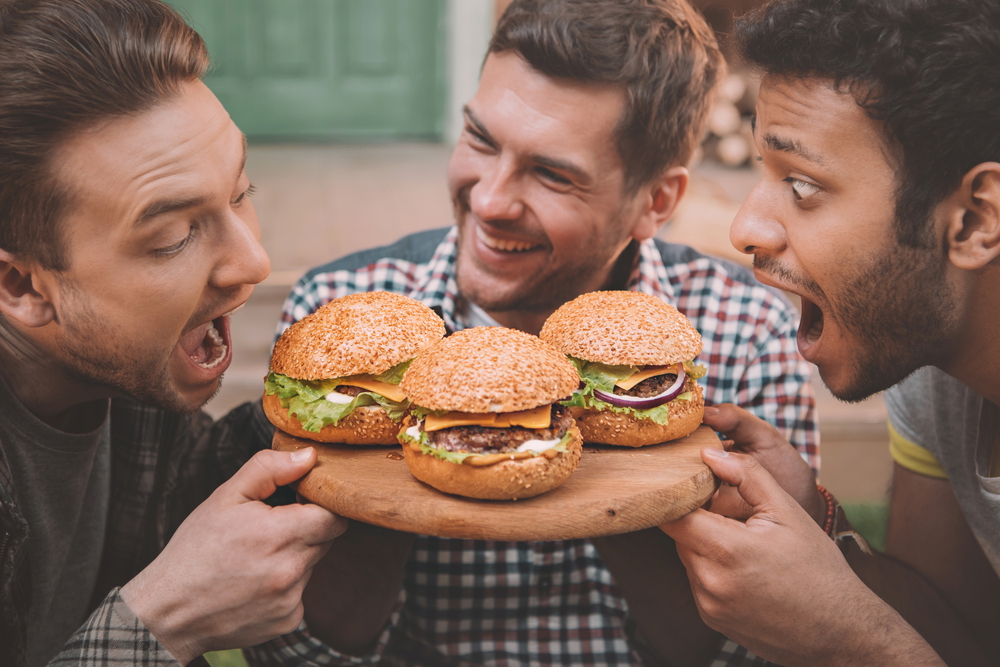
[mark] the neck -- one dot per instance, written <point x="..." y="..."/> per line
<point x="975" y="358"/>
<point x="615" y="276"/>
<point x="41" y="383"/>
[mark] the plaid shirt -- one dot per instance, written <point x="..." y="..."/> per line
<point x="163" y="465"/>
<point x="468" y="602"/>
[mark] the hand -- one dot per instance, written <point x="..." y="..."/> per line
<point x="779" y="586"/>
<point x="233" y="573"/>
<point x="754" y="436"/>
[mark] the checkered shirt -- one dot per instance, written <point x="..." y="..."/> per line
<point x="470" y="602"/>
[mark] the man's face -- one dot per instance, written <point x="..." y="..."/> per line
<point x="538" y="189"/>
<point x="162" y="242"/>
<point x="820" y="224"/>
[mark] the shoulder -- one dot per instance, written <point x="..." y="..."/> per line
<point x="416" y="248"/>
<point x="929" y="402"/>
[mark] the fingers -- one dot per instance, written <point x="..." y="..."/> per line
<point x="311" y="525"/>
<point x="753" y="483"/>
<point x="749" y="432"/>
<point x="267" y="470"/>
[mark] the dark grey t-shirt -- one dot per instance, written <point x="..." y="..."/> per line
<point x="62" y="482"/>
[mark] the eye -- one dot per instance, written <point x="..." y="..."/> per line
<point x="476" y="136"/>
<point x="547" y="173"/>
<point x="174" y="248"/>
<point x="246" y="194"/>
<point x="802" y="189"/>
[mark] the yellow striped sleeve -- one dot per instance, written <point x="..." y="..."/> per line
<point x="913" y="457"/>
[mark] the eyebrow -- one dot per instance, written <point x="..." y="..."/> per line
<point x="776" y="143"/>
<point x="164" y="206"/>
<point x="550" y="162"/>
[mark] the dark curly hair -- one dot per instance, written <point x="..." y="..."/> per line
<point x="928" y="70"/>
<point x="662" y="52"/>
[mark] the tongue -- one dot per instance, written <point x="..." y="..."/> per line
<point x="194" y="340"/>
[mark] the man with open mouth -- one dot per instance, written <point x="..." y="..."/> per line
<point x="878" y="125"/>
<point x="572" y="157"/>
<point x="127" y="240"/>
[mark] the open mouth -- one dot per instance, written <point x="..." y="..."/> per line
<point x="504" y="245"/>
<point x="207" y="345"/>
<point x="811" y="324"/>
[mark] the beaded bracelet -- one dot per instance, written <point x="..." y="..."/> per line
<point x="836" y="525"/>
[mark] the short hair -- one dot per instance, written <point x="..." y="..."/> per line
<point x="927" y="70"/>
<point x="662" y="52"/>
<point x="64" y="66"/>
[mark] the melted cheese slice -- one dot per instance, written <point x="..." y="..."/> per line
<point x="540" y="417"/>
<point x="645" y="374"/>
<point x="390" y="391"/>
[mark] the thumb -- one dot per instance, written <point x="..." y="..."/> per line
<point x="753" y="483"/>
<point x="260" y="477"/>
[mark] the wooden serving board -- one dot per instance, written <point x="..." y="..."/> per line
<point x="614" y="490"/>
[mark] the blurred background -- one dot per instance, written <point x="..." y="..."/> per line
<point x="351" y="108"/>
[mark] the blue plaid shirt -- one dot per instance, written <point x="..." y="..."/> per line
<point x="470" y="602"/>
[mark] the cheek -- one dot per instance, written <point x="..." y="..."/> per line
<point x="462" y="169"/>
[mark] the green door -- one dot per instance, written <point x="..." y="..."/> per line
<point x="326" y="69"/>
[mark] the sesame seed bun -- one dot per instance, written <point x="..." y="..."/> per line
<point x="489" y="369"/>
<point x="367" y="425"/>
<point x="622" y="328"/>
<point x="614" y="428"/>
<point x="369" y="332"/>
<point x="507" y="480"/>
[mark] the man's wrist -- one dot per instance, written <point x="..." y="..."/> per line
<point x="837" y="526"/>
<point x="137" y="598"/>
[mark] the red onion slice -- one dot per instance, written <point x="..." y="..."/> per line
<point x="640" y="403"/>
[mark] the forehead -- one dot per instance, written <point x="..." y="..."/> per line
<point x="186" y="145"/>
<point x="527" y="107"/>
<point x="809" y="122"/>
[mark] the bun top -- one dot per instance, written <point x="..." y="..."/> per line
<point x="489" y="369"/>
<point x="369" y="332"/>
<point x="620" y="328"/>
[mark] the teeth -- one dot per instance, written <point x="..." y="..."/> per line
<point x="501" y="245"/>
<point x="236" y="309"/>
<point x="220" y="348"/>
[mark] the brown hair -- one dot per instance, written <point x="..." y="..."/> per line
<point x="64" y="66"/>
<point x="661" y="51"/>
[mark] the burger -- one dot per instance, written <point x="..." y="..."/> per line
<point x="484" y="421"/>
<point x="334" y="374"/>
<point x="633" y="353"/>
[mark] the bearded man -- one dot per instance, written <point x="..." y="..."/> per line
<point x="126" y="239"/>
<point x="572" y="158"/>
<point x="878" y="124"/>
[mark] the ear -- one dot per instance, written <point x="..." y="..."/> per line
<point x="21" y="297"/>
<point x="973" y="232"/>
<point x="658" y="200"/>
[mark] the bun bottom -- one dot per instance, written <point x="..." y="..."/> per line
<point x="507" y="480"/>
<point x="367" y="425"/>
<point x="613" y="428"/>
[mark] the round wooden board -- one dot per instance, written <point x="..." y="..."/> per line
<point x="614" y="490"/>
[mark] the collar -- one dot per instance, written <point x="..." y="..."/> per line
<point x="437" y="288"/>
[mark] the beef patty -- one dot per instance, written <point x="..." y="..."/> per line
<point x="487" y="440"/>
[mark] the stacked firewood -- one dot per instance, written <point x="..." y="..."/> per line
<point x="729" y="138"/>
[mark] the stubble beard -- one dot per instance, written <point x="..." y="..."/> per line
<point x="902" y="312"/>
<point x="546" y="289"/>
<point x="124" y="368"/>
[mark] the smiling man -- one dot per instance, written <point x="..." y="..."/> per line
<point x="878" y="124"/>
<point x="126" y="240"/>
<point x="573" y="156"/>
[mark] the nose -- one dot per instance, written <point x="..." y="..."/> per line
<point x="497" y="196"/>
<point x="757" y="227"/>
<point x="244" y="260"/>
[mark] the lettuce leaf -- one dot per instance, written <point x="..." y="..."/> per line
<point x="306" y="399"/>
<point x="394" y="374"/>
<point x="459" y="457"/>
<point x="603" y="376"/>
